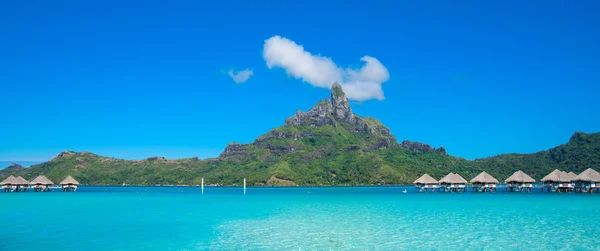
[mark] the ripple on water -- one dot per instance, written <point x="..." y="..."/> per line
<point x="297" y="219"/>
<point x="480" y="225"/>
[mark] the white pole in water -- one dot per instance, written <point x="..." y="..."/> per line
<point x="202" y="185"/>
<point x="244" y="185"/>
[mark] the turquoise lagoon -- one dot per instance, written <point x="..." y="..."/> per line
<point x="348" y="218"/>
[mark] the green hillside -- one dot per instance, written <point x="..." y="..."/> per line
<point x="327" y="145"/>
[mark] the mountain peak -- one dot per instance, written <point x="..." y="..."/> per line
<point x="339" y="101"/>
<point x="327" y="112"/>
<point x="420" y="147"/>
<point x="64" y="155"/>
<point x="577" y="136"/>
<point x="336" y="89"/>
<point x="15" y="166"/>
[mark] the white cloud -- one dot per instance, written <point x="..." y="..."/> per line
<point x="358" y="84"/>
<point x="240" y="76"/>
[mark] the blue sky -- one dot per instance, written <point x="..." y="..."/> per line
<point x="146" y="78"/>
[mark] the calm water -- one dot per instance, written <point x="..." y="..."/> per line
<point x="381" y="218"/>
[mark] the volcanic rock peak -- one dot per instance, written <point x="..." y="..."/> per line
<point x="341" y="106"/>
<point x="326" y="112"/>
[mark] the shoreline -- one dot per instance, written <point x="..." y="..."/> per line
<point x="241" y="186"/>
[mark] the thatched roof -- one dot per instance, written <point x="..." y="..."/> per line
<point x="11" y="180"/>
<point x="453" y="178"/>
<point x="425" y="179"/>
<point x="484" y="177"/>
<point x="69" y="181"/>
<point x="557" y="176"/>
<point x="41" y="180"/>
<point x="572" y="176"/>
<point x="589" y="175"/>
<point x="22" y="181"/>
<point x="446" y="179"/>
<point x="459" y="179"/>
<point x="520" y="176"/>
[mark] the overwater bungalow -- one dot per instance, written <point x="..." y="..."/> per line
<point x="425" y="183"/>
<point x="519" y="181"/>
<point x="22" y="184"/>
<point x="69" y="184"/>
<point x="587" y="181"/>
<point x="558" y="181"/>
<point x="453" y="183"/>
<point x="569" y="182"/>
<point x="41" y="184"/>
<point x="484" y="182"/>
<point x="9" y="184"/>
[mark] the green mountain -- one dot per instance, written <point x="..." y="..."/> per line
<point x="327" y="145"/>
